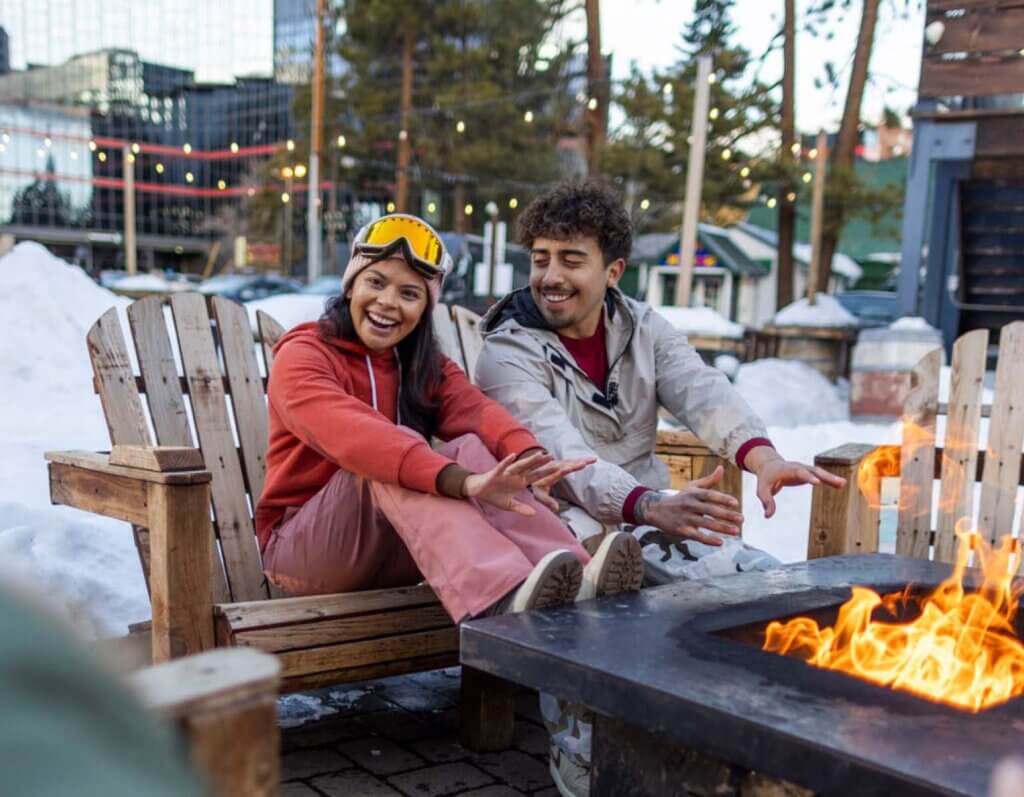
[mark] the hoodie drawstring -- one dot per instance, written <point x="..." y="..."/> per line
<point x="373" y="386"/>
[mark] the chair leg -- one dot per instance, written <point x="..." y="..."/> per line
<point x="488" y="711"/>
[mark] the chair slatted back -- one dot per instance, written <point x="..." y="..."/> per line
<point x="447" y="336"/>
<point x="270" y="334"/>
<point x="958" y="458"/>
<point x="471" y="341"/>
<point x="210" y="410"/>
<point x="222" y="393"/>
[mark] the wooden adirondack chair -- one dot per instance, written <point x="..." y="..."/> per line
<point x="846" y="521"/>
<point x="204" y="574"/>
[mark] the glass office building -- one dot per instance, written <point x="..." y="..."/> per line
<point x="184" y="89"/>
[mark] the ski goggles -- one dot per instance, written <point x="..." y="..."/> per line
<point x="421" y="246"/>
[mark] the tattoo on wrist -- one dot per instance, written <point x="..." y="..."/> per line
<point x="644" y="504"/>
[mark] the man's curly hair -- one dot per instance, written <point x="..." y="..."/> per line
<point x="576" y="208"/>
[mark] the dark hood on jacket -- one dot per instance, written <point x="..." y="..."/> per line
<point x="520" y="307"/>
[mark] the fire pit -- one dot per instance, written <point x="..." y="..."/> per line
<point x="681" y="668"/>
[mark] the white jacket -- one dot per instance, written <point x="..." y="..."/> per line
<point x="524" y="366"/>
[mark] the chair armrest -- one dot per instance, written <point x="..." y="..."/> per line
<point x="688" y="458"/>
<point x="842" y="520"/>
<point x="87" y="480"/>
<point x="226" y="701"/>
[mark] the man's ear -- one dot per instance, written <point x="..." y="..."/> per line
<point x="615" y="270"/>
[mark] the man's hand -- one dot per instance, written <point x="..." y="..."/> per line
<point x="697" y="505"/>
<point x="500" y="485"/>
<point x="773" y="473"/>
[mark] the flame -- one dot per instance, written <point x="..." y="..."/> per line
<point x="880" y="463"/>
<point x="961" y="650"/>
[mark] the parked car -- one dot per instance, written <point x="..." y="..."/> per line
<point x="872" y="308"/>
<point x="329" y="285"/>
<point x="249" y="287"/>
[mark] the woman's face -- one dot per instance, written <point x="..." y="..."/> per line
<point x="387" y="301"/>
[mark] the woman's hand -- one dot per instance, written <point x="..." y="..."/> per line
<point x="500" y="485"/>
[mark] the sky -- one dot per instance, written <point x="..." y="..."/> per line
<point x="648" y="32"/>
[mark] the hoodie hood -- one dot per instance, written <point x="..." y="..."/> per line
<point x="519" y="306"/>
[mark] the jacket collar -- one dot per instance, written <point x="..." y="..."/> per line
<point x="519" y="306"/>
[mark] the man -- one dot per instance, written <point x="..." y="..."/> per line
<point x="585" y="369"/>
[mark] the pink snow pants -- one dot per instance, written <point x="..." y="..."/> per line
<point x="357" y="534"/>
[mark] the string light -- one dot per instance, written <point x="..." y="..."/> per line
<point x="645" y="203"/>
<point x="159" y="168"/>
<point x="592" y="103"/>
<point x="431" y="207"/>
<point x="341" y="141"/>
<point x="791" y="196"/>
<point x="102" y="157"/>
<point x="286" y="198"/>
<point x="187" y="148"/>
<point x="726" y="154"/>
<point x="528" y="117"/>
<point x="221" y="185"/>
<point x="667" y="89"/>
<point x="468" y="210"/>
<point x="300" y="170"/>
<point x="403" y="135"/>
<point x="290" y="145"/>
<point x="250" y="192"/>
<point x="74" y="155"/>
<point x="286" y="172"/>
<point x="234" y="146"/>
<point x="745" y="171"/>
<point x="712" y="78"/>
<point x="795" y="149"/>
<point x="48" y="142"/>
<point x="806" y="177"/>
<point x="92" y="146"/>
<point x="713" y="113"/>
<point x="189" y="177"/>
<point x="771" y="202"/>
<point x="136" y="149"/>
<point x="460" y="126"/>
<point x="391" y="207"/>
<point x="813" y="153"/>
<point x="513" y="203"/>
<point x="129" y="158"/>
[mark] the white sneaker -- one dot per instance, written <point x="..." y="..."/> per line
<point x="618" y="566"/>
<point x="554" y="581"/>
<point x="571" y="779"/>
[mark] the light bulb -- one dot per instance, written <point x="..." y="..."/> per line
<point x="528" y="117"/>
<point x="460" y="126"/>
<point x="468" y="210"/>
<point x="341" y="141"/>
<point x="644" y="204"/>
<point x="286" y="197"/>
<point x="187" y="148"/>
<point x="513" y="203"/>
<point x="290" y="145"/>
<point x="234" y="146"/>
<point x="159" y="168"/>
<point x="189" y="177"/>
<point x="221" y="185"/>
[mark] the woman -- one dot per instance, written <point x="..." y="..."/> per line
<point x="355" y="498"/>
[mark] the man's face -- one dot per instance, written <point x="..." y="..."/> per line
<point x="568" y="281"/>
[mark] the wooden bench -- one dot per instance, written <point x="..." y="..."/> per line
<point x="846" y="521"/>
<point x="188" y="427"/>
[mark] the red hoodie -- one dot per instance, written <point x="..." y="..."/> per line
<point x="322" y="419"/>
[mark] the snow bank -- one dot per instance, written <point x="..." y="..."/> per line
<point x="289" y="309"/>
<point x="825" y="312"/>
<point x="700" y="321"/>
<point x="790" y="393"/>
<point x="914" y="323"/>
<point x="86" y="564"/>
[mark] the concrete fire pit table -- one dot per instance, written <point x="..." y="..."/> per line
<point x="672" y="673"/>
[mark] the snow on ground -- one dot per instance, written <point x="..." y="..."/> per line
<point x="289" y="309"/>
<point x="87" y="563"/>
<point x="825" y="312"/>
<point x="700" y="321"/>
<point x="151" y="282"/>
<point x="790" y="393"/>
<point x="915" y="323"/>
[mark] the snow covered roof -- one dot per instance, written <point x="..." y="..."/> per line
<point x="843" y="265"/>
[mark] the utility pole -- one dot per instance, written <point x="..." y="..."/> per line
<point x="404" y="151"/>
<point x="694" y="181"/>
<point x="128" y="161"/>
<point x="597" y="102"/>
<point x="461" y="220"/>
<point x="787" y="210"/>
<point x="492" y="271"/>
<point x="313" y="209"/>
<point x="817" y="211"/>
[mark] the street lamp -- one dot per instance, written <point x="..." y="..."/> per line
<point x="492" y="210"/>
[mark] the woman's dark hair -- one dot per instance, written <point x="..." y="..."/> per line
<point x="575" y="208"/>
<point x="418" y="354"/>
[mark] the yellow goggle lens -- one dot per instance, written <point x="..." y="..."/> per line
<point x="425" y="244"/>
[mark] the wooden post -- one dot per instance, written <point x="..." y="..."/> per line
<point x="130" y="255"/>
<point x="694" y="180"/>
<point x="598" y="89"/>
<point x="404" y="151"/>
<point x="181" y="562"/>
<point x="842" y="521"/>
<point x="488" y="711"/>
<point x="461" y="220"/>
<point x="784" y="293"/>
<point x="817" y="210"/>
<point x="313" y="209"/>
